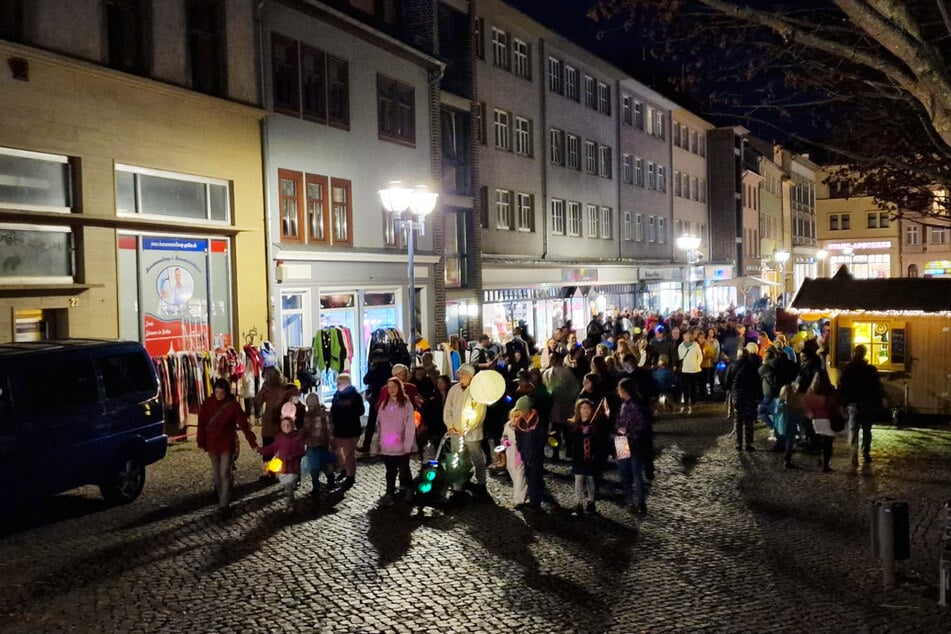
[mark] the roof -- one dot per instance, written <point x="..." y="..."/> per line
<point x="844" y="292"/>
<point x="8" y="348"/>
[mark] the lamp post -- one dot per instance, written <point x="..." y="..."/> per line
<point x="420" y="202"/>
<point x="780" y="257"/>
<point x="689" y="245"/>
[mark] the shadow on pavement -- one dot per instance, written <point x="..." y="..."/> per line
<point x="58" y="508"/>
<point x="391" y="530"/>
<point x="195" y="502"/>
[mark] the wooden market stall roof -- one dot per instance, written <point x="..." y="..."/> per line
<point x="844" y="292"/>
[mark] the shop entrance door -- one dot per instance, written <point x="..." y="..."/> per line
<point x="346" y="317"/>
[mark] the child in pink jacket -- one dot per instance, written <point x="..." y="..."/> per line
<point x="289" y="447"/>
<point x="396" y="436"/>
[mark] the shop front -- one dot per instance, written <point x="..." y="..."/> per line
<point x="541" y="309"/>
<point x="664" y="286"/>
<point x="717" y="299"/>
<point x="865" y="260"/>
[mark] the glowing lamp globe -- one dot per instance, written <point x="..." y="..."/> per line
<point x="275" y="465"/>
<point x="487" y="387"/>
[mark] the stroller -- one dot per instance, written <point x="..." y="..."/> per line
<point x="444" y="470"/>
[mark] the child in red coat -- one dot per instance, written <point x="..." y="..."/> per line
<point x="289" y="447"/>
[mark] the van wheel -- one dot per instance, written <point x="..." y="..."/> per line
<point x="127" y="483"/>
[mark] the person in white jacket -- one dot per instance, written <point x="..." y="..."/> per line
<point x="464" y="416"/>
<point x="690" y="354"/>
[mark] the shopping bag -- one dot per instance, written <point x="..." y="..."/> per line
<point x="622" y="447"/>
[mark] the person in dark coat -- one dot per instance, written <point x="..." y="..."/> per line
<point x="345" y="412"/>
<point x="745" y="386"/>
<point x="375" y="380"/>
<point x="809" y="365"/>
<point x="860" y="389"/>
<point x="531" y="442"/>
<point x="219" y="419"/>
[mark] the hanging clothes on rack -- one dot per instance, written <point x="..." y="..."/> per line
<point x="185" y="381"/>
<point x="333" y="349"/>
<point x="390" y="342"/>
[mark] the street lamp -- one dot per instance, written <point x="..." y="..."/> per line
<point x="689" y="245"/>
<point x="821" y="256"/>
<point x="780" y="257"/>
<point x="420" y="202"/>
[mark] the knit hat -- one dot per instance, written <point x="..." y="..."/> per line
<point x="466" y="368"/>
<point x="524" y="404"/>
<point x="288" y="410"/>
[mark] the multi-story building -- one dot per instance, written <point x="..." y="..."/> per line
<point x="350" y="108"/>
<point x="775" y="237"/>
<point x="854" y="232"/>
<point x="690" y="206"/>
<point x="802" y="214"/>
<point x="752" y="257"/>
<point x="725" y="148"/>
<point x="925" y="245"/>
<point x="130" y="173"/>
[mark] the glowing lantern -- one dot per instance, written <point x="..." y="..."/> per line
<point x="418" y="419"/>
<point x="487" y="387"/>
<point x="275" y="465"/>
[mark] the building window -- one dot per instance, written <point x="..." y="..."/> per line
<point x="628" y="229"/>
<point x="37" y="254"/>
<point x="872" y="220"/>
<point x="341" y="212"/>
<point x="167" y="194"/>
<point x="607" y="224"/>
<point x="702" y="144"/>
<point x="558" y="217"/>
<point x="693" y="141"/>
<point x="457" y="247"/>
<point x="677" y="188"/>
<point x="574" y="218"/>
<point x="503" y="130"/>
<point x="503" y="209"/>
<point x="318" y="217"/>
<point x="651" y="175"/>
<point x="912" y="270"/>
<point x="676" y="140"/>
<point x="638" y="115"/>
<point x="571" y="83"/>
<point x="660" y="125"/>
<point x="628" y="175"/>
<point x="594" y="222"/>
<point x="308" y="83"/>
<point x="396" y="111"/>
<point x="556" y="142"/>
<point x="694" y="186"/>
<point x="523" y="136"/>
<point x="912" y="235"/>
<point x="662" y="230"/>
<point x="627" y="111"/>
<point x="590" y="157"/>
<point x="478" y="34"/>
<point x="555" y="82"/>
<point x="480" y="122"/>
<point x="651" y="229"/>
<point x="525" y="204"/>
<point x="604" y="99"/>
<point x="500" y="48"/>
<point x="883" y="220"/>
<point x="639" y="171"/>
<point x="31" y="181"/>
<point x="939" y="235"/>
<point x="590" y="96"/>
<point x="661" y="178"/>
<point x="846" y="220"/>
<point x="702" y="189"/>
<point x="128" y="31"/>
<point x="573" y="159"/>
<point x="205" y="32"/>
<point x="522" y="59"/>
<point x="604" y="162"/>
<point x="291" y="205"/>
<point x="639" y="227"/>
<point x="833" y="222"/>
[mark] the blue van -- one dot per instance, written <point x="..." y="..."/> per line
<point x="76" y="412"/>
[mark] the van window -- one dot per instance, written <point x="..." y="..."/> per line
<point x="67" y="384"/>
<point x="126" y="374"/>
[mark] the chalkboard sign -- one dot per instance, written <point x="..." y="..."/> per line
<point x="898" y="346"/>
<point x="843" y="346"/>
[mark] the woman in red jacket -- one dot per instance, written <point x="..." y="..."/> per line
<point x="219" y="418"/>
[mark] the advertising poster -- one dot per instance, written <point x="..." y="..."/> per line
<point x="174" y="295"/>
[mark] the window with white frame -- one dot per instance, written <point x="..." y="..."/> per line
<point x="677" y="188"/>
<point x="638" y="115"/>
<point x="590" y="94"/>
<point x="574" y="218"/>
<point x="872" y="220"/>
<point x="571" y="83"/>
<point x="594" y="221"/>
<point x="661" y="178"/>
<point x="604" y="162"/>
<point x="503" y="130"/>
<point x="525" y="212"/>
<point x="638" y="171"/>
<point x="500" y="48"/>
<point x="660" y="124"/>
<point x="523" y="136"/>
<point x="627" y="110"/>
<point x="522" y="59"/>
<point x="651" y="229"/>
<point x="555" y="78"/>
<point x="573" y="159"/>
<point x="590" y="157"/>
<point x="604" y="98"/>
<point x="693" y="141"/>
<point x="503" y="209"/>
<point x="607" y="223"/>
<point x="639" y="227"/>
<point x="628" y="226"/>
<point x="651" y="175"/>
<point x="662" y="230"/>
<point x="912" y="234"/>
<point x="677" y="134"/>
<point x="558" y="216"/>
<point x="694" y="195"/>
<point x="883" y="220"/>
<point x="939" y="235"/>
<point x="556" y="144"/>
<point x="628" y="162"/>
<point x="32" y="181"/>
<point x="702" y="187"/>
<point x="650" y="120"/>
<point x="156" y="193"/>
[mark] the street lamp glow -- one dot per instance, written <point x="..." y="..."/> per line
<point x="781" y="256"/>
<point x="822" y="254"/>
<point x="422" y="201"/>
<point x="688" y="243"/>
<point x="395" y="197"/>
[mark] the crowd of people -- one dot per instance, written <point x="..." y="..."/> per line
<point x="587" y="396"/>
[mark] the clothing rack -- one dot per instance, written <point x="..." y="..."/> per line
<point x="185" y="381"/>
<point x="333" y="349"/>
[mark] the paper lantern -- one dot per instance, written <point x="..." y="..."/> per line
<point x="417" y="419"/>
<point x="275" y="465"/>
<point x="487" y="387"/>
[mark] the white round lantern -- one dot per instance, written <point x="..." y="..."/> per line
<point x="487" y="387"/>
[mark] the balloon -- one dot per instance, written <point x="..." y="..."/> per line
<point x="487" y="387"/>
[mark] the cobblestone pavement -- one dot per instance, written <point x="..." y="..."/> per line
<point x="732" y="543"/>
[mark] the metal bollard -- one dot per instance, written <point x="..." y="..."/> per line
<point x="890" y="536"/>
